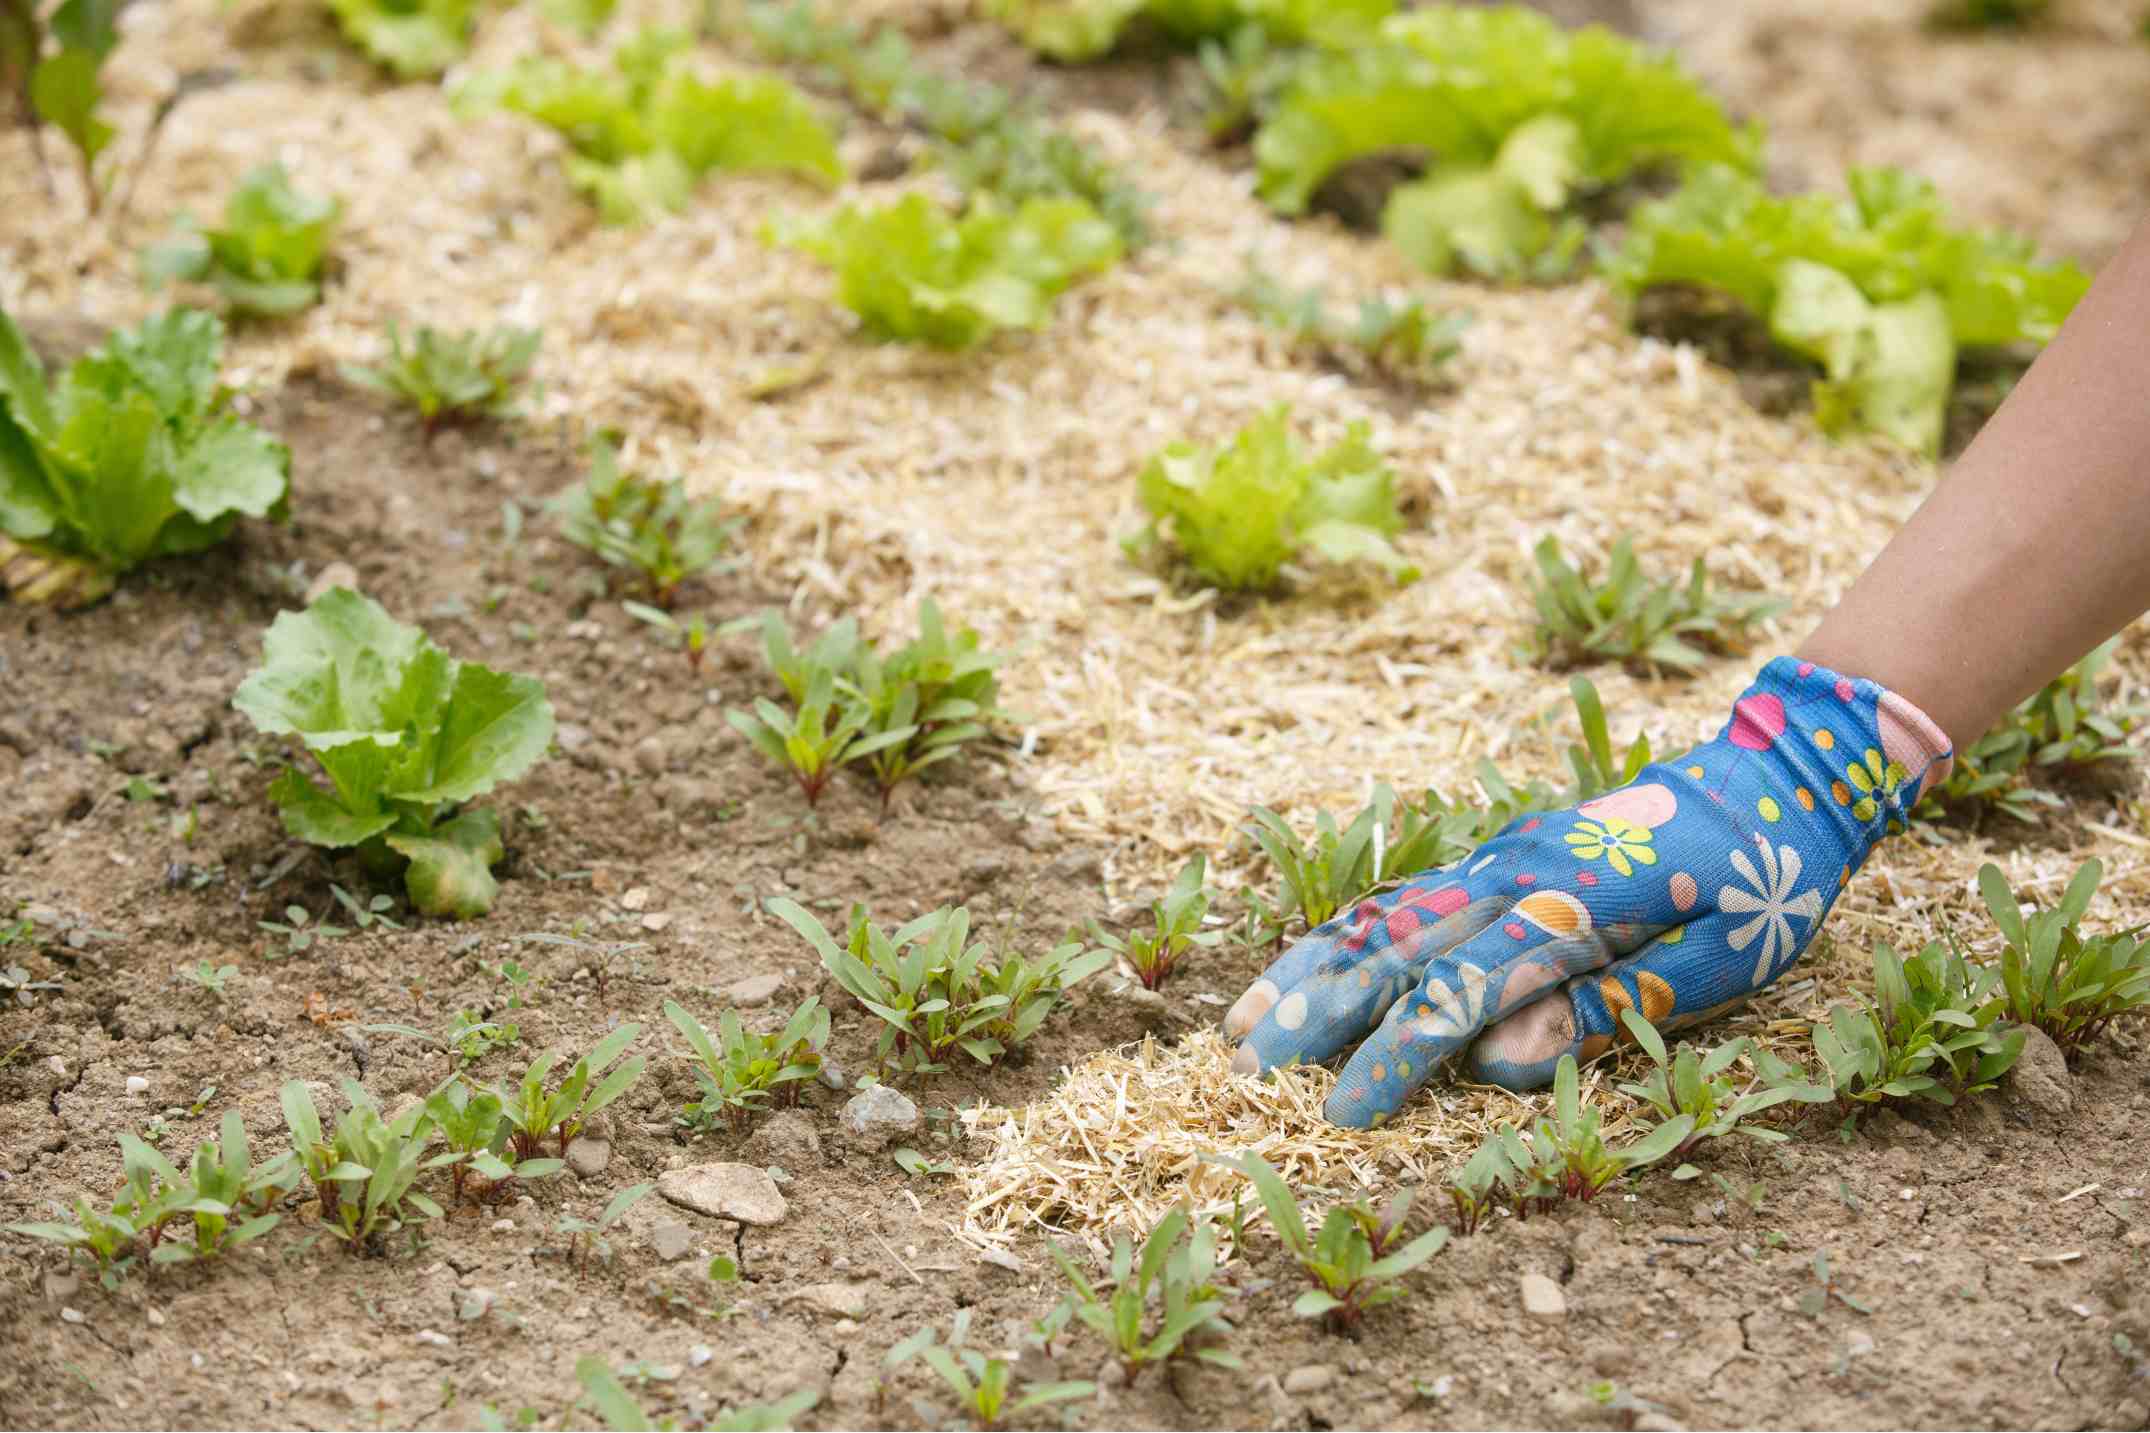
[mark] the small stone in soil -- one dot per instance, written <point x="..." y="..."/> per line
<point x="1542" y="1298"/>
<point x="72" y="1316"/>
<point x="635" y="899"/>
<point x="725" y="1191"/>
<point x="473" y="1304"/>
<point x="671" y="1241"/>
<point x="435" y="1338"/>
<point x="588" y="1157"/>
<point x="844" y="1301"/>
<point x="699" y="1354"/>
<point x="832" y="1075"/>
<point x="1309" y="1378"/>
<point x="880" y="1113"/>
<point x="503" y="1226"/>
<point x="137" y="1084"/>
<point x="754" y="990"/>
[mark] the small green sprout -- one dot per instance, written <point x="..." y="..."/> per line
<point x="1691" y="1084"/>
<point x="1406" y="340"/>
<point x="301" y="930"/>
<point x="589" y="1235"/>
<point x="1633" y="617"/>
<point x="106" y="1238"/>
<point x="692" y="636"/>
<point x="653" y="526"/>
<point x="813" y="742"/>
<point x="982" y="1383"/>
<point x="1177" y="928"/>
<point x="1243" y="76"/>
<point x="211" y="978"/>
<point x="1176" y="1274"/>
<point x="364" y="1175"/>
<point x="2056" y="979"/>
<point x="223" y="1186"/>
<point x="472" y="1124"/>
<point x="2066" y="729"/>
<point x="533" y="1114"/>
<point x="742" y="1071"/>
<point x="1930" y="1033"/>
<point x="451" y="378"/>
<point x="267" y="260"/>
<point x="941" y="688"/>
<point x="370" y="913"/>
<point x="1565" y="1157"/>
<point x="1358" y="1260"/>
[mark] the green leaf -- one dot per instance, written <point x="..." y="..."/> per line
<point x="65" y="91"/>
<point x="605" y="1393"/>
<point x="231" y="467"/>
<point x="416" y="39"/>
<point x="451" y="870"/>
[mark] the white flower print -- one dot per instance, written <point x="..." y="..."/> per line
<point x="1451" y="1014"/>
<point x="1772" y="905"/>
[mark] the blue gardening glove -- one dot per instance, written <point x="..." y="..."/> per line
<point x="1679" y="894"/>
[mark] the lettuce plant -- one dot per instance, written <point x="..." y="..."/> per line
<point x="1878" y="288"/>
<point x="406" y="734"/>
<point x="1237" y="514"/>
<point x="1632" y="616"/>
<point x="1517" y="116"/>
<point x="130" y="455"/>
<point x="267" y="259"/>
<point x="452" y="377"/>
<point x="2057" y="979"/>
<point x="414" y="39"/>
<point x="646" y="131"/>
<point x="652" y="525"/>
<point x="912" y="272"/>
<point x="1076" y="30"/>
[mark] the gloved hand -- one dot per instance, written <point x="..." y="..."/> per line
<point x="1679" y="894"/>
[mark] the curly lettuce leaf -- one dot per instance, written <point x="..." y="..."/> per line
<point x="416" y="39"/>
<point x="125" y="459"/>
<point x="910" y="271"/>
<point x="1877" y="286"/>
<point x="1454" y="82"/>
<point x="1498" y="220"/>
<point x="405" y="734"/>
<point x="646" y="131"/>
<point x="1239" y="513"/>
<point x="1077" y="30"/>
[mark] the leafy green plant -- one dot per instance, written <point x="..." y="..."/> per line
<point x="406" y="734"/>
<point x="1357" y="1261"/>
<point x="589" y="1234"/>
<point x="1244" y="76"/>
<point x="452" y="377"/>
<point x="825" y="732"/>
<point x="1519" y="117"/>
<point x="617" y="1408"/>
<point x="911" y="272"/>
<point x="2065" y="728"/>
<point x="363" y="1175"/>
<point x="1237" y="514"/>
<point x="415" y="39"/>
<point x="1177" y="1272"/>
<point x="51" y="73"/>
<point x="533" y="1114"/>
<point x="212" y="978"/>
<point x="1694" y="1085"/>
<point x="225" y="1193"/>
<point x="1565" y="1157"/>
<point x="1387" y="840"/>
<point x="985" y="141"/>
<point x="1476" y="1189"/>
<point x="474" y="1127"/>
<point x="941" y="687"/>
<point x="267" y="260"/>
<point x="1931" y="1031"/>
<point x="1077" y="30"/>
<point x="301" y="930"/>
<point x="105" y="1238"/>
<point x="742" y="1070"/>
<point x="651" y="525"/>
<point x="645" y="132"/>
<point x="1176" y="928"/>
<point x="982" y="1383"/>
<point x="1879" y="288"/>
<point x="132" y="454"/>
<point x="936" y="990"/>
<point x="2056" y="979"/>
<point x="1407" y="340"/>
<point x="1634" y="617"/>
<point x="1987" y="14"/>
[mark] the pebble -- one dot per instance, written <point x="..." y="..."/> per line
<point x="650" y="755"/>
<point x="879" y="1113"/>
<point x="571" y="736"/>
<point x="786" y="1138"/>
<point x="698" y="1355"/>
<point x="726" y="1191"/>
<point x="473" y="1304"/>
<point x="656" y="920"/>
<point x="2039" y="1078"/>
<point x="1859" y="1345"/>
<point x="435" y="1338"/>
<point x="841" y="1301"/>
<point x="1542" y="1298"/>
<point x="754" y="990"/>
<point x="1309" y="1378"/>
<point x="503" y="1226"/>
<point x="137" y="1084"/>
<point x="635" y="899"/>
<point x="72" y="1316"/>
<point x="671" y="1240"/>
<point x="156" y="1319"/>
<point x="2137" y="1238"/>
<point x="588" y="1157"/>
<point x="832" y="1074"/>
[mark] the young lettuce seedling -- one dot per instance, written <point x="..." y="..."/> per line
<point x="452" y="378"/>
<point x="268" y="259"/>
<point x="2057" y="979"/>
<point x="1190" y="1317"/>
<point x="406" y="735"/>
<point x="650" y="525"/>
<point x="170" y="470"/>
<point x="982" y="1383"/>
<point x="741" y="1070"/>
<point x="413" y="39"/>
<point x="1177" y="919"/>
<point x="533" y="1115"/>
<point x="1358" y="1260"/>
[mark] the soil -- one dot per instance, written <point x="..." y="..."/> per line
<point x="1991" y="1263"/>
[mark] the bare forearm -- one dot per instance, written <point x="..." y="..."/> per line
<point x="2036" y="545"/>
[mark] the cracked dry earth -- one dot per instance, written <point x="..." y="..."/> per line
<point x="1991" y="1259"/>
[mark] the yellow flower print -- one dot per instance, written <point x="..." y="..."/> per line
<point x="1623" y="844"/>
<point x="1871" y="777"/>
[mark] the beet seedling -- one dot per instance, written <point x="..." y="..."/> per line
<point x="982" y="1383"/>
<point x="941" y="688"/>
<point x="1387" y="840"/>
<point x="224" y="1186"/>
<point x="1177" y="927"/>
<point x="452" y="378"/>
<point x="533" y="1114"/>
<point x="2056" y="979"/>
<point x="473" y="1126"/>
<point x="1190" y="1316"/>
<point x="363" y="1176"/>
<point x="590" y="1235"/>
<point x="1633" y="617"/>
<point x="2065" y="728"/>
<point x="1689" y="1083"/>
<point x="1930" y="1032"/>
<point x="1403" y="340"/>
<point x="692" y="636"/>
<point x="1358" y="1260"/>
<point x="741" y="1070"/>
<point x="649" y="525"/>
<point x="824" y="734"/>
<point x="106" y="1238"/>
